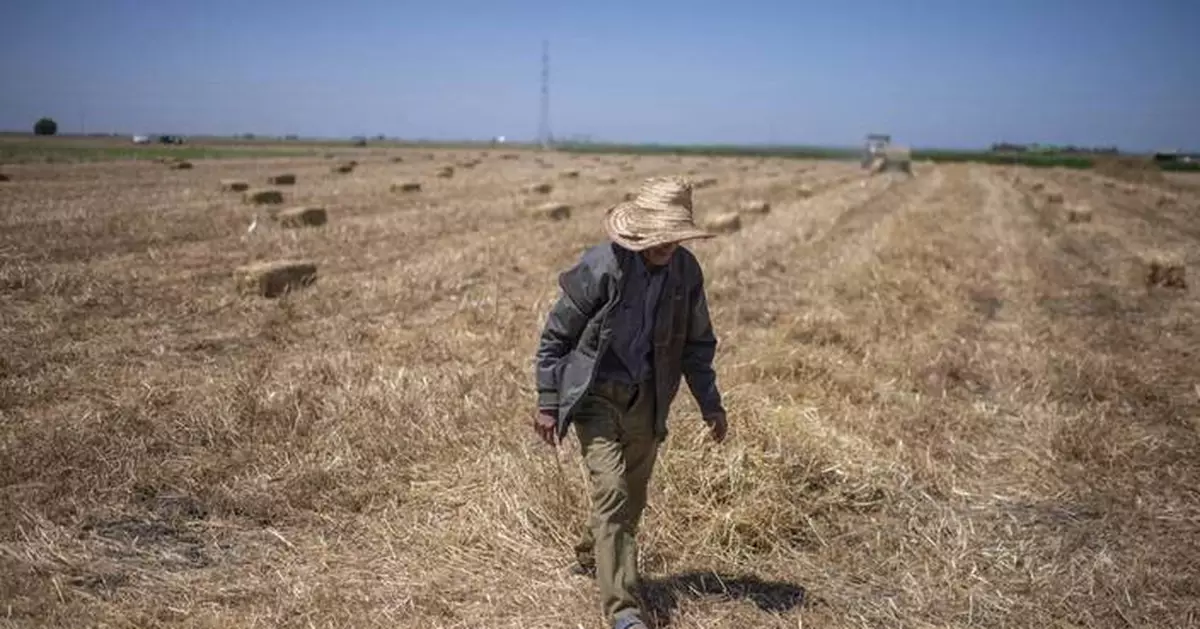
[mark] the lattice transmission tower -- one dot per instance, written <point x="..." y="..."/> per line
<point x="545" y="137"/>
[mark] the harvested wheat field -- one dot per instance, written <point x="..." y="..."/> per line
<point x="950" y="406"/>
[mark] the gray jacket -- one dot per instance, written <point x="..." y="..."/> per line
<point x="577" y="333"/>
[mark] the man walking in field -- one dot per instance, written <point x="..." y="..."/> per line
<point x="630" y="321"/>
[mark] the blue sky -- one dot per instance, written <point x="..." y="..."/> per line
<point x="950" y="73"/>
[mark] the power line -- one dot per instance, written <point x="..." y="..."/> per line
<point x="544" y="135"/>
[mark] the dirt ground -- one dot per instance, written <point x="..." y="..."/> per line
<point x="950" y="405"/>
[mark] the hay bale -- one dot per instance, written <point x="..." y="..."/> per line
<point x="570" y="174"/>
<point x="539" y="188"/>
<point x="181" y="165"/>
<point x="407" y="186"/>
<point x="397" y="159"/>
<point x="445" y="172"/>
<point x="1054" y="197"/>
<point x="286" y="179"/>
<point x="509" y="156"/>
<point x="345" y="167"/>
<point x="629" y="196"/>
<point x="1165" y="270"/>
<point x="1079" y="213"/>
<point x="553" y="211"/>
<point x="725" y="223"/>
<point x="804" y="191"/>
<point x="275" y="278"/>
<point x="1037" y="186"/>
<point x="235" y="185"/>
<point x="607" y="180"/>
<point x="706" y="182"/>
<point x="897" y="158"/>
<point x="5" y="177"/>
<point x="263" y="196"/>
<point x="754" y="206"/>
<point x="302" y="217"/>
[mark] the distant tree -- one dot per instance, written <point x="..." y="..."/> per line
<point x="45" y="126"/>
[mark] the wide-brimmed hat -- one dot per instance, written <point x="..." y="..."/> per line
<point x="660" y="213"/>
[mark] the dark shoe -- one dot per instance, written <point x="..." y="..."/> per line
<point x="580" y="569"/>
<point x="629" y="622"/>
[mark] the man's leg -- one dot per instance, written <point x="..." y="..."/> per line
<point x="616" y="506"/>
<point x="585" y="548"/>
<point x="641" y="452"/>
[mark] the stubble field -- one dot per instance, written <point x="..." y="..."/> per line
<point x="950" y="405"/>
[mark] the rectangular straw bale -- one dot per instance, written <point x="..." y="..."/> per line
<point x="725" y="223"/>
<point x="285" y="179"/>
<point x="754" y="206"/>
<point x="235" y="185"/>
<point x="553" y="211"/>
<point x="275" y="277"/>
<point x="263" y="196"/>
<point x="302" y="217"/>
<point x="1166" y="270"/>
<point x="1079" y="213"/>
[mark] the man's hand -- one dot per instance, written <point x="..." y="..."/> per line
<point x="717" y="426"/>
<point x="545" y="425"/>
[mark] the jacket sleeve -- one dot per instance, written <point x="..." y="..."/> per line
<point x="581" y="293"/>
<point x="698" y="351"/>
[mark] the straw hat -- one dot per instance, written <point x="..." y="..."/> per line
<point x="661" y="213"/>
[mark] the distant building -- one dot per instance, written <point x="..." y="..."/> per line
<point x="1176" y="156"/>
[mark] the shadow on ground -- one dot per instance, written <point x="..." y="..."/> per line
<point x="662" y="596"/>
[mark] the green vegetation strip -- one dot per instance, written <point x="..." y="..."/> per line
<point x="808" y="152"/>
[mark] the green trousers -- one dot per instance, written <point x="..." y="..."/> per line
<point x="615" y="427"/>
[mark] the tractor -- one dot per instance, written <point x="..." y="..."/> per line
<point x="876" y="142"/>
<point x="880" y="155"/>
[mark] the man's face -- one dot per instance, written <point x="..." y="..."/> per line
<point x="659" y="255"/>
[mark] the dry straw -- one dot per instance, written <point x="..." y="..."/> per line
<point x="942" y="413"/>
